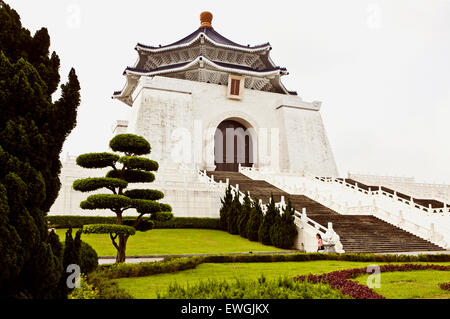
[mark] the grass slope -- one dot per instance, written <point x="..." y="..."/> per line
<point x="174" y="241"/>
<point x="147" y="287"/>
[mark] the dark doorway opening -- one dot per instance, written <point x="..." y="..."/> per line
<point x="233" y="145"/>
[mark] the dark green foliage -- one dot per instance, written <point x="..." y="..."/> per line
<point x="67" y="221"/>
<point x="233" y="215"/>
<point x="88" y="258"/>
<point x="141" y="163"/>
<point x="162" y="216"/>
<point x="33" y="129"/>
<point x="144" y="225"/>
<point x="244" y="216"/>
<point x="144" y="206"/>
<point x="71" y="256"/>
<point x="254" y="221"/>
<point x="108" y="229"/>
<point x="268" y="221"/>
<point x="106" y="201"/>
<point x="287" y="231"/>
<point x="106" y="288"/>
<point x="97" y="160"/>
<point x="130" y="144"/>
<point x="281" y="288"/>
<point x="150" y="194"/>
<point x="132" y="176"/>
<point x="224" y="210"/>
<point x="93" y="184"/>
<point x="189" y="222"/>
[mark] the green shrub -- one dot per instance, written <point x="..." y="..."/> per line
<point x="88" y="258"/>
<point x="177" y="222"/>
<point x="269" y="220"/>
<point x="233" y="214"/>
<point x="225" y="208"/>
<point x="105" y="288"/>
<point x="254" y="221"/>
<point x="281" y="288"/>
<point x="189" y="222"/>
<point x="244" y="216"/>
<point x="86" y="290"/>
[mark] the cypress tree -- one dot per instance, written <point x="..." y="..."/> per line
<point x="267" y="222"/>
<point x="33" y="128"/>
<point x="226" y="206"/>
<point x="287" y="229"/>
<point x="233" y="214"/>
<point x="254" y="221"/>
<point x="244" y="216"/>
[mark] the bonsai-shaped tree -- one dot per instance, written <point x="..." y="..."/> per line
<point x="133" y="169"/>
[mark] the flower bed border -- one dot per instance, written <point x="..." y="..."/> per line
<point x="340" y="279"/>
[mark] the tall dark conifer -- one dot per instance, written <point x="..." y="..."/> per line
<point x="33" y="128"/>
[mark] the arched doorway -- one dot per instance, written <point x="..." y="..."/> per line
<point x="233" y="145"/>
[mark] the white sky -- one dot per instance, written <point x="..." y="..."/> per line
<point x="381" y="68"/>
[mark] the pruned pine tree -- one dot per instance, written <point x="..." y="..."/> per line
<point x="129" y="168"/>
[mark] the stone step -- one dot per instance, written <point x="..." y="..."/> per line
<point x="358" y="233"/>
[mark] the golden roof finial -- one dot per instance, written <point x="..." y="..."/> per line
<point x="206" y="19"/>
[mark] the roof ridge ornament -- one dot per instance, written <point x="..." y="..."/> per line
<point x="206" y="19"/>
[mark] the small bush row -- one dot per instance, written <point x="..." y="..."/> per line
<point x="176" y="222"/>
<point x="281" y="288"/>
<point x="340" y="279"/>
<point x="174" y="264"/>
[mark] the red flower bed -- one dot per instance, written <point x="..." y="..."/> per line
<point x="445" y="286"/>
<point x="340" y="279"/>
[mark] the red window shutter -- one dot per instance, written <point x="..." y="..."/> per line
<point x="235" y="84"/>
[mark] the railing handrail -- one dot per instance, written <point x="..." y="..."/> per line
<point x="303" y="217"/>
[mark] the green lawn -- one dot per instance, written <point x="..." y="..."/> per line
<point x="146" y="287"/>
<point x="412" y="284"/>
<point x="174" y="241"/>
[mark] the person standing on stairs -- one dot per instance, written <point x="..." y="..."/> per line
<point x="320" y="246"/>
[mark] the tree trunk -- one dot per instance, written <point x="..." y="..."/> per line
<point x="120" y="258"/>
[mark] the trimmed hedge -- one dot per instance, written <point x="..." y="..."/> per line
<point x="174" y="264"/>
<point x="176" y="222"/>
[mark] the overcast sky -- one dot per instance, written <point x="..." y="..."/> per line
<point x="381" y="68"/>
